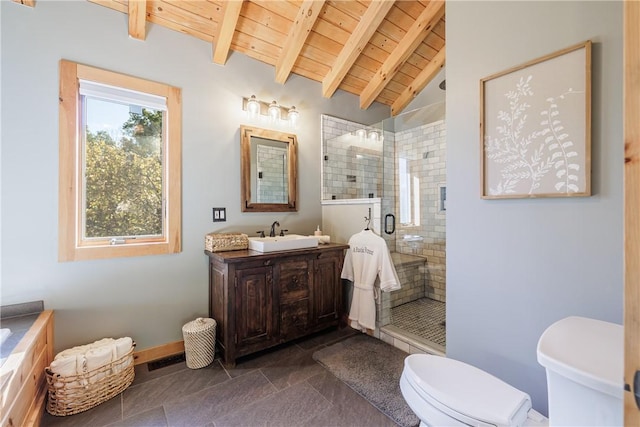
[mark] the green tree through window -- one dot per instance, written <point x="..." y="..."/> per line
<point x="123" y="179"/>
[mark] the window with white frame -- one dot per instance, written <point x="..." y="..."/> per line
<point x="120" y="173"/>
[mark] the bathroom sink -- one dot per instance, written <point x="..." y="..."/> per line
<point x="282" y="243"/>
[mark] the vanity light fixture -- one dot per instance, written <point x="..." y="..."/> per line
<point x="272" y="112"/>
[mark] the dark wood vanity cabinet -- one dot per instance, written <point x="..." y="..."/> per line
<point x="263" y="299"/>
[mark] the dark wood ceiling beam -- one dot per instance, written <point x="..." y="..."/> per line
<point x="416" y="34"/>
<point x="137" y="10"/>
<point x="419" y="83"/>
<point x="363" y="32"/>
<point x="226" y="27"/>
<point x="302" y="25"/>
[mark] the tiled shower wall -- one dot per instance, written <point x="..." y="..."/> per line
<point x="425" y="146"/>
<point x="350" y="171"/>
<point x="373" y="177"/>
<point x="272" y="168"/>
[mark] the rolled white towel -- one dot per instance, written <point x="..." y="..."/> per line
<point x="73" y="351"/>
<point x="102" y="342"/>
<point x="81" y="367"/>
<point x="96" y="358"/>
<point x="123" y="346"/>
<point x="65" y="367"/>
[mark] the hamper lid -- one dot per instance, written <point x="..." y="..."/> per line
<point x="459" y="389"/>
<point x="201" y="324"/>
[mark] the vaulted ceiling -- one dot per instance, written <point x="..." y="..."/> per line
<point x="379" y="50"/>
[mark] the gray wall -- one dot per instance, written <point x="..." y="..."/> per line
<point x="516" y="266"/>
<point x="148" y="298"/>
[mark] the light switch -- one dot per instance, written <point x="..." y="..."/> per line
<point x="219" y="214"/>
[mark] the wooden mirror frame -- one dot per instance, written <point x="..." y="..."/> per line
<point x="246" y="132"/>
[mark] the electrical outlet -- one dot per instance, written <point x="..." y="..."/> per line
<point x="219" y="214"/>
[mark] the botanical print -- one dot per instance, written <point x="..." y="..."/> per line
<point x="526" y="159"/>
<point x="535" y="141"/>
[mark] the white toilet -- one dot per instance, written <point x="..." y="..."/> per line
<point x="584" y="363"/>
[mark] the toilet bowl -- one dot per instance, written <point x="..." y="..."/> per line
<point x="583" y="360"/>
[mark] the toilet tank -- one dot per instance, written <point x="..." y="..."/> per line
<point x="584" y="363"/>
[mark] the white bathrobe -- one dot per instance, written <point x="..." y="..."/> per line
<point x="367" y="258"/>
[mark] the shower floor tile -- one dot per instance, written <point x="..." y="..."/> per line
<point x="423" y="317"/>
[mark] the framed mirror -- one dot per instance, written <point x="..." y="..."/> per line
<point x="268" y="169"/>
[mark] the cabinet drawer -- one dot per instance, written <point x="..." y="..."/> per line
<point x="293" y="279"/>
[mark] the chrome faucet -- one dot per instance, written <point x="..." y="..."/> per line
<point x="272" y="233"/>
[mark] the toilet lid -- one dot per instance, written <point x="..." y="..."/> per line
<point x="461" y="389"/>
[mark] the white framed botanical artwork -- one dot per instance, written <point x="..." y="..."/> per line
<point x="535" y="129"/>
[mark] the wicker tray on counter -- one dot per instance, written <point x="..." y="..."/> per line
<point x="220" y="242"/>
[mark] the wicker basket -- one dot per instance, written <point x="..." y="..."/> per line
<point x="199" y="342"/>
<point x="219" y="242"/>
<point x="73" y="394"/>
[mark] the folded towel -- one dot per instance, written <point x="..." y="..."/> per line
<point x="97" y="358"/>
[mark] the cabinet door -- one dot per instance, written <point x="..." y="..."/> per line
<point x="295" y="305"/>
<point x="255" y="317"/>
<point x="327" y="287"/>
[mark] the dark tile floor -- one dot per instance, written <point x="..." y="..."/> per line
<point x="282" y="387"/>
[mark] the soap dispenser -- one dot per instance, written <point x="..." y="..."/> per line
<point x="318" y="232"/>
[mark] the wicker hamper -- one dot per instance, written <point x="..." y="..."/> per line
<point x="199" y="342"/>
<point x="219" y="242"/>
<point x="72" y="394"/>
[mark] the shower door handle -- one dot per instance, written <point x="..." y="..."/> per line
<point x="386" y="223"/>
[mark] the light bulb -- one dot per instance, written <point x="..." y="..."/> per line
<point x="293" y="117"/>
<point x="253" y="107"/>
<point x="274" y="112"/>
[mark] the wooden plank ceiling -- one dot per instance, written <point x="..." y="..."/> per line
<point x="380" y="50"/>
